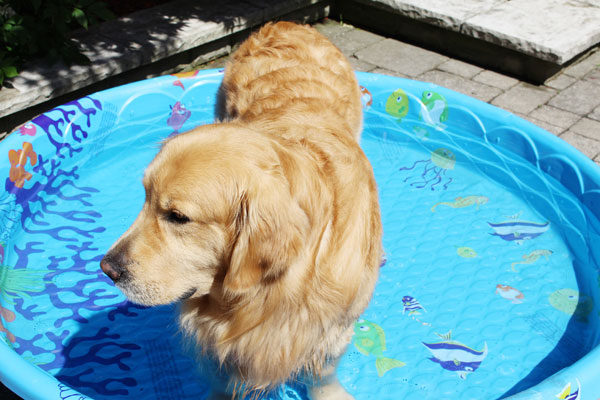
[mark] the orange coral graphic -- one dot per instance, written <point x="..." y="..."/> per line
<point x="8" y="316"/>
<point x="183" y="75"/>
<point x="18" y="160"/>
<point x="189" y="74"/>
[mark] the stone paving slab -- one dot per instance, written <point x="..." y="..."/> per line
<point x="397" y="56"/>
<point x="460" y="68"/>
<point x="589" y="147"/>
<point x="551" y="30"/>
<point x="595" y="114"/>
<point x="351" y="41"/>
<point x="450" y="14"/>
<point x="580" y="98"/>
<point x="587" y="65"/>
<point x="587" y="127"/>
<point x="495" y="79"/>
<point x="555" y="116"/>
<point x="461" y="84"/>
<point x="523" y="98"/>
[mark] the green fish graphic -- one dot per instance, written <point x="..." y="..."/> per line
<point x="572" y="302"/>
<point x="466" y="252"/>
<point x="461" y="202"/>
<point x="531" y="258"/>
<point x="397" y="104"/>
<point x="369" y="339"/>
<point x="436" y="108"/>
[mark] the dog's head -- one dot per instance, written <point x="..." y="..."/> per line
<point x="219" y="215"/>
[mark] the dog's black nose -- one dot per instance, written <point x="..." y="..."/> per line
<point x="112" y="266"/>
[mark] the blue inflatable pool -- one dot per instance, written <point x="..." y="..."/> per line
<point x="491" y="286"/>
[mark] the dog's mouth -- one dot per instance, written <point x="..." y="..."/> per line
<point x="187" y="294"/>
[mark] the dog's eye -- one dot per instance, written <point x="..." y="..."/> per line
<point x="177" y="217"/>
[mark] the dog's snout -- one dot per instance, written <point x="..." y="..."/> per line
<point x="112" y="266"/>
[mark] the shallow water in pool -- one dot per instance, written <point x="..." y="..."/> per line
<point x="478" y="297"/>
<point x="478" y="288"/>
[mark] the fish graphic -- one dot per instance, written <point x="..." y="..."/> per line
<point x="436" y="108"/>
<point x="572" y="302"/>
<point x="515" y="216"/>
<point x="518" y="231"/>
<point x="420" y="132"/>
<point x="183" y="75"/>
<point x="510" y="293"/>
<point x="383" y="261"/>
<point x="27" y="129"/>
<point x="531" y="258"/>
<point x="412" y="306"/>
<point x="369" y="339"/>
<point x="567" y="394"/>
<point x="466" y="252"/>
<point x="366" y="97"/>
<point x="18" y="160"/>
<point x="455" y="356"/>
<point x="461" y="202"/>
<point x="8" y="316"/>
<point x="414" y="309"/>
<point x="179" y="114"/>
<point x="397" y="104"/>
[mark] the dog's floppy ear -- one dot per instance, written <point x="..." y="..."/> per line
<point x="271" y="229"/>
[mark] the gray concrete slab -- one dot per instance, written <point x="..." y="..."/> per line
<point x="150" y="36"/>
<point x="450" y="14"/>
<point x="552" y="30"/>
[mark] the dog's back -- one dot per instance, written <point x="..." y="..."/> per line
<point x="287" y="69"/>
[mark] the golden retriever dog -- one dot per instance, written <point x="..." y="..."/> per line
<point x="265" y="225"/>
